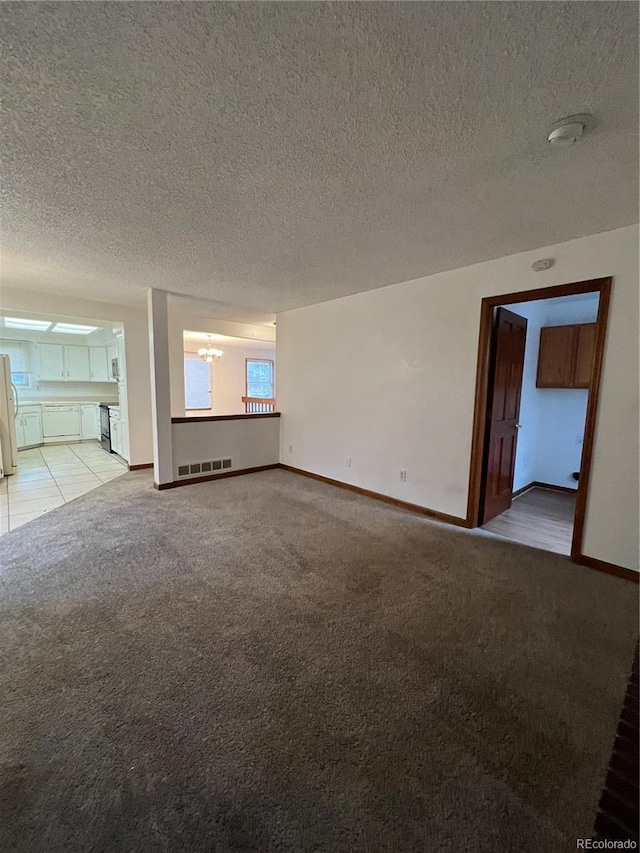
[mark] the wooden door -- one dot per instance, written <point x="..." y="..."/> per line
<point x="505" y="387"/>
<point x="584" y="354"/>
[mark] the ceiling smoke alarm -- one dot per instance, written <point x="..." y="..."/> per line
<point x="566" y="131"/>
<point x="543" y="264"/>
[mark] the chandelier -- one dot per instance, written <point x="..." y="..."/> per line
<point x="209" y="353"/>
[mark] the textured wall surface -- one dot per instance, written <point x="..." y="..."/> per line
<point x="272" y="155"/>
<point x="395" y="388"/>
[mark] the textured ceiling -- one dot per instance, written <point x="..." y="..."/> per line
<point x="271" y="155"/>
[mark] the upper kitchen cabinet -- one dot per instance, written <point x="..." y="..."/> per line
<point x="584" y="354"/>
<point x="51" y="366"/>
<point x="59" y="363"/>
<point x="98" y="367"/>
<point x="565" y="358"/>
<point x="77" y="364"/>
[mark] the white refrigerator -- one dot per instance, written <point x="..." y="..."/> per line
<point x="8" y="413"/>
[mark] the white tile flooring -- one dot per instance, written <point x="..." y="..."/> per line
<point x="50" y="476"/>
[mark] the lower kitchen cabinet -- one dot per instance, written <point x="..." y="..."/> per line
<point x="114" y="428"/>
<point x="29" y="428"/>
<point x="89" y="421"/>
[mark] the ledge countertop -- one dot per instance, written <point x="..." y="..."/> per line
<point x="24" y="403"/>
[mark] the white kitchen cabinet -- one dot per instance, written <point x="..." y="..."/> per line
<point x="33" y="428"/>
<point x="58" y="363"/>
<point x="89" y="421"/>
<point x="114" y="428"/>
<point x="98" y="367"/>
<point x="77" y="364"/>
<point x="51" y="365"/>
<point x="29" y="428"/>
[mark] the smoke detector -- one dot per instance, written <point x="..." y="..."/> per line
<point x="543" y="264"/>
<point x="566" y="131"/>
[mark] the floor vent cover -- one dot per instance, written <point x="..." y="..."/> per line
<point x="195" y="468"/>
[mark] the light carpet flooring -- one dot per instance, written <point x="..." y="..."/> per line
<point x="267" y="663"/>
<point x="50" y="476"/>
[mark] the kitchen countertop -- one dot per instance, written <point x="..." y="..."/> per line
<point x="22" y="402"/>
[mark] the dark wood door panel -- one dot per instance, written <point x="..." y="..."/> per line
<point x="508" y="347"/>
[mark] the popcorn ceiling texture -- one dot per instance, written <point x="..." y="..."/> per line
<point x="272" y="155"/>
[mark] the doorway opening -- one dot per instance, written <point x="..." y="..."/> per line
<point x="539" y="365"/>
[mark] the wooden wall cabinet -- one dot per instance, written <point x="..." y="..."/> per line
<point x="565" y="359"/>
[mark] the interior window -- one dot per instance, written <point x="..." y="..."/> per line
<point x="197" y="383"/>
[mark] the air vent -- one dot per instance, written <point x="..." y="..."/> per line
<point x="204" y="467"/>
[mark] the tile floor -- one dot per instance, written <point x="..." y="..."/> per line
<point x="50" y="476"/>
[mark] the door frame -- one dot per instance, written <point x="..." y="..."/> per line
<point x="478" y="460"/>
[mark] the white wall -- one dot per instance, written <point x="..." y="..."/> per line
<point x="228" y="376"/>
<point x="387" y="377"/>
<point x="549" y="445"/>
<point x="250" y="442"/>
<point x="194" y="315"/>
<point x="134" y="322"/>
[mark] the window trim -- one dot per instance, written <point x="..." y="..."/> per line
<point x="270" y="361"/>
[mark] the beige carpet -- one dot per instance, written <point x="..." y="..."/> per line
<point x="268" y="663"/>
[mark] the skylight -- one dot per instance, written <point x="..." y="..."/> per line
<point x="22" y="323"/>
<point x="73" y="329"/>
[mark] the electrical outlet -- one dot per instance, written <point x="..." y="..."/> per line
<point x="348" y="462"/>
<point x="291" y="448"/>
<point x="403" y="475"/>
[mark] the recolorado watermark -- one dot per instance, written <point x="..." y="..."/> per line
<point x="598" y="844"/>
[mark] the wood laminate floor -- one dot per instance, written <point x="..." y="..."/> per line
<point x="541" y="518"/>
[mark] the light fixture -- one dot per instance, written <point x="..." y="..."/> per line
<point x="21" y="323"/>
<point x="209" y="353"/>
<point x="73" y="329"/>
<point x="566" y="131"/>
